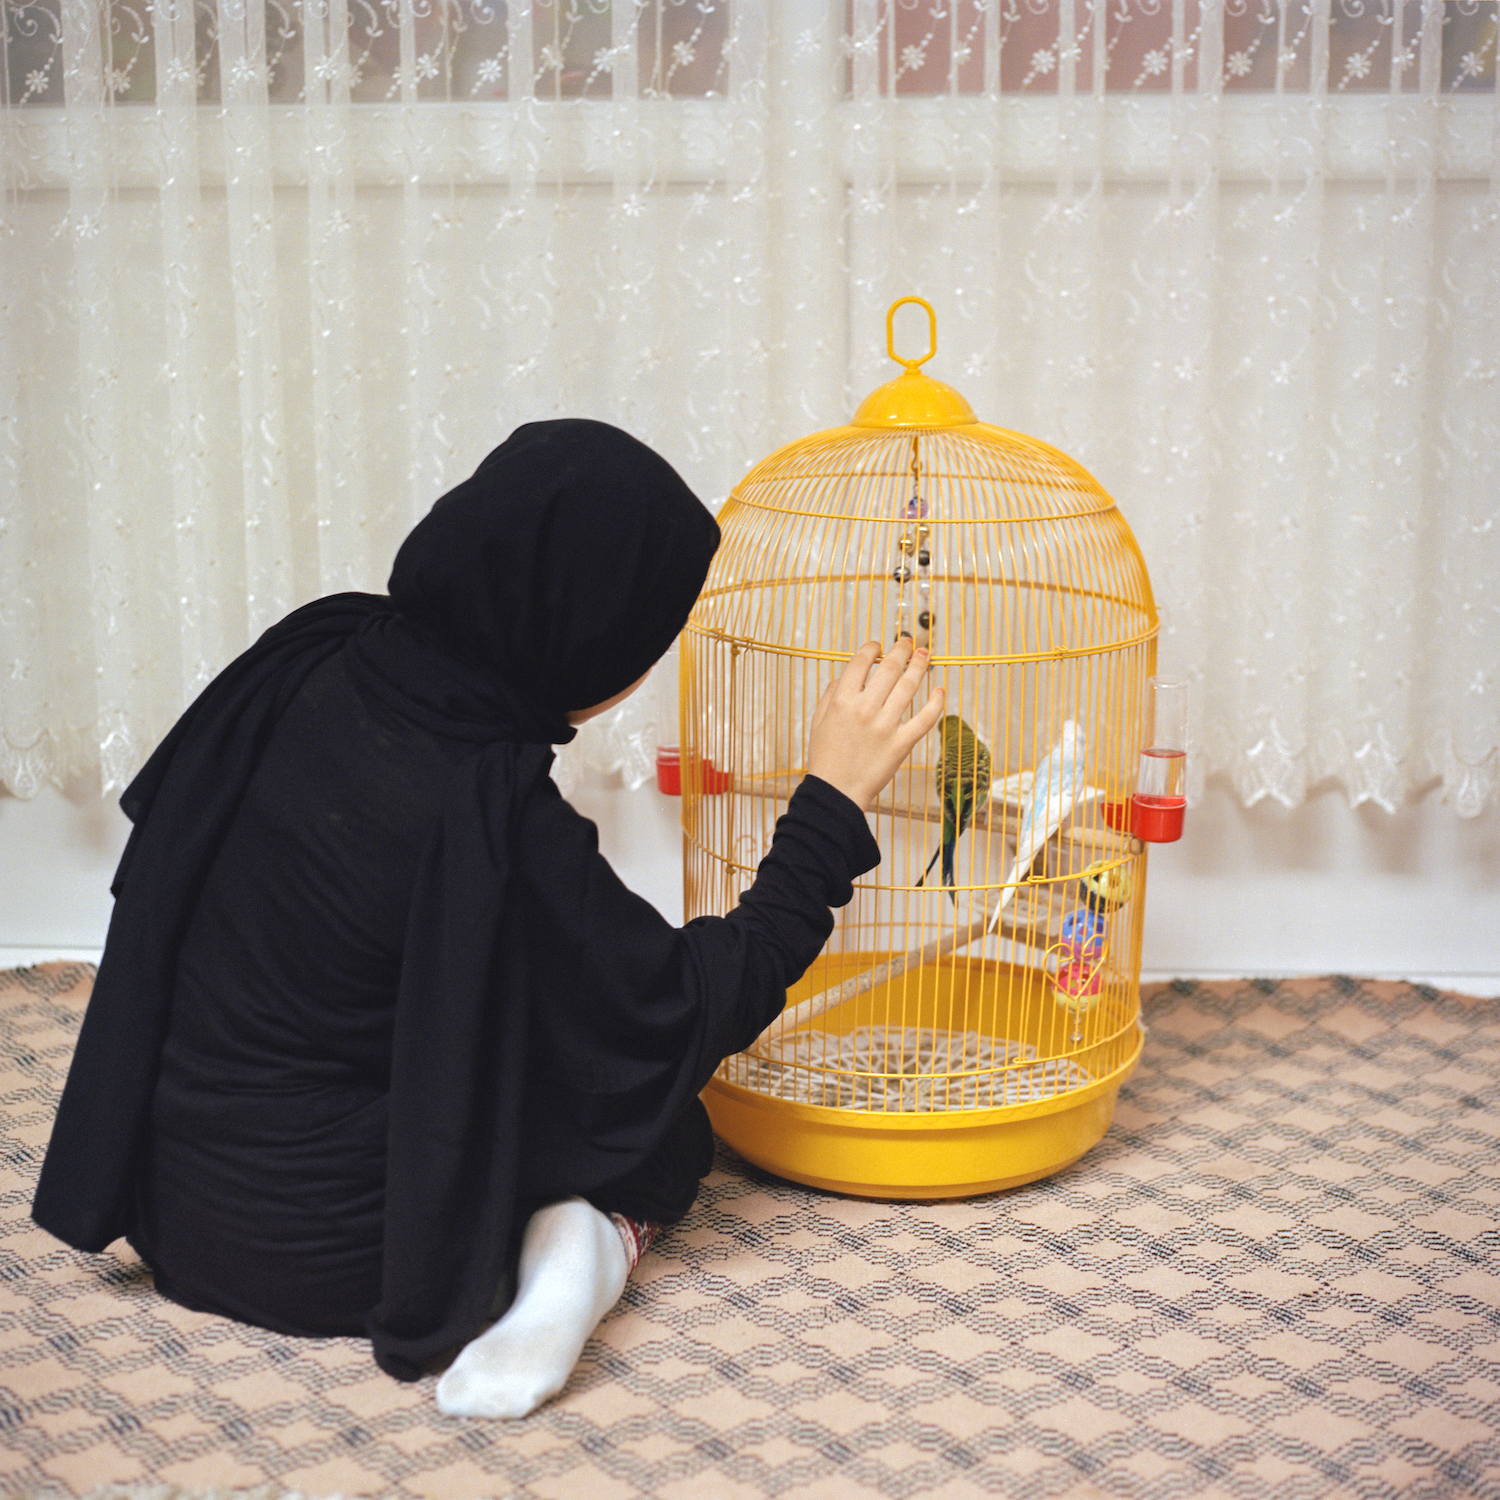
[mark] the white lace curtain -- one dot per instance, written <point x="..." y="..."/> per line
<point x="276" y="272"/>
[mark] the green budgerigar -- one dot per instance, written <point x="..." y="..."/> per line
<point x="963" y="777"/>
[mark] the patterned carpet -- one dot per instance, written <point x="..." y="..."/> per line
<point x="1279" y="1275"/>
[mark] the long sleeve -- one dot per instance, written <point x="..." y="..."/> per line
<point x="821" y="845"/>
<point x="637" y="1013"/>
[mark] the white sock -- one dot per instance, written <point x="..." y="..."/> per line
<point x="572" y="1271"/>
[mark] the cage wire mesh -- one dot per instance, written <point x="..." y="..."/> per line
<point x="1014" y="979"/>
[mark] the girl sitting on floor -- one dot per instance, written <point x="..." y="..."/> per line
<point x="380" y="1045"/>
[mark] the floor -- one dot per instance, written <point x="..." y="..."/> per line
<point x="1279" y="1275"/>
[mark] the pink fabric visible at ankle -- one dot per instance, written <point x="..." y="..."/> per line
<point x="637" y="1235"/>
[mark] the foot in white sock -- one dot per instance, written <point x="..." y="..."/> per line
<point x="572" y="1271"/>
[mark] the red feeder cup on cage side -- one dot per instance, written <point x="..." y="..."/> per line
<point x="1160" y="800"/>
<point x="669" y="769"/>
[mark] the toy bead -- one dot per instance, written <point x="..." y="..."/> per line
<point x="906" y="544"/>
<point x="924" y="557"/>
<point x="1106" y="886"/>
<point x="1083" y="933"/>
<point x="1078" y="986"/>
<point x="925" y="619"/>
<point x="902" y="574"/>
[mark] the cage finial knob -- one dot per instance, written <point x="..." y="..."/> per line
<point x="913" y="399"/>
<point x="912" y="365"/>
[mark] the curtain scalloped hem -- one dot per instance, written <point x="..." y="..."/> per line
<point x="1373" y="772"/>
<point x="624" y="742"/>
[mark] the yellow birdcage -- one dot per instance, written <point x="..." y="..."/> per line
<point x="952" y="1038"/>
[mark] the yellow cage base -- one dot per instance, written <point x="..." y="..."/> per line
<point x="941" y="1154"/>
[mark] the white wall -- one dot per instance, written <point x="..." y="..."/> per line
<point x="1321" y="889"/>
<point x="1328" y="889"/>
<point x="57" y="854"/>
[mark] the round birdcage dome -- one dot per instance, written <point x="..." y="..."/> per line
<point x="1004" y="510"/>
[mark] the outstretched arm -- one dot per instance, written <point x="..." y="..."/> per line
<point x="654" y="1008"/>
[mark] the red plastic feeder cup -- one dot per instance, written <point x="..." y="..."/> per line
<point x="669" y="772"/>
<point x="1156" y="810"/>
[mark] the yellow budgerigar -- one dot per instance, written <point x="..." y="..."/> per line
<point x="963" y="777"/>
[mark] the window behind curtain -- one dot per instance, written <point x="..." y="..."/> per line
<point x="462" y="48"/>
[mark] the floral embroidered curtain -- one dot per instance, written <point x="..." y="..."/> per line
<point x="274" y="273"/>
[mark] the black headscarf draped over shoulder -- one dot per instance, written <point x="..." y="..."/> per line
<point x="548" y="581"/>
<point x="567" y="564"/>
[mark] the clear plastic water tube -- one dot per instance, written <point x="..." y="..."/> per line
<point x="1161" y="785"/>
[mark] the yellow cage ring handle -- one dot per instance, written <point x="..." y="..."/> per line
<point x="912" y="365"/>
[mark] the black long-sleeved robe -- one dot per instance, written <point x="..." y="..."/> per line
<point x="262" y="1193"/>
<point x="369" y="992"/>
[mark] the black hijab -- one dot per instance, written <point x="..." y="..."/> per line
<point x="548" y="581"/>
<point x="567" y="565"/>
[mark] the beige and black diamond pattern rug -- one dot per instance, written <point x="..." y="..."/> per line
<point x="1279" y="1275"/>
